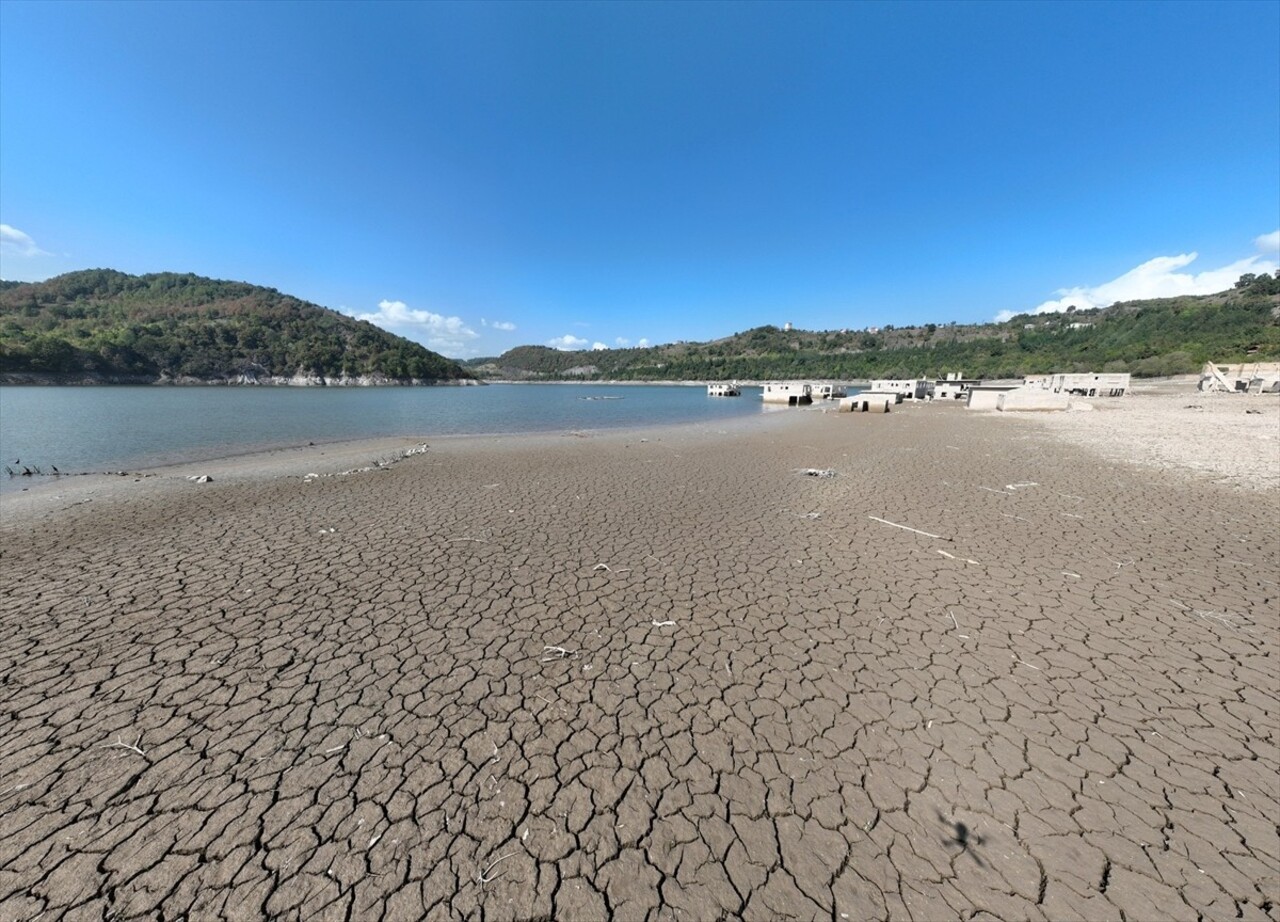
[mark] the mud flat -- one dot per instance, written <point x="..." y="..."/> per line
<point x="979" y="671"/>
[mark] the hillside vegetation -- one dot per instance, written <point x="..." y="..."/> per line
<point x="102" y="325"/>
<point x="1147" y="338"/>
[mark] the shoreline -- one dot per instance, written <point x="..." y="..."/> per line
<point x="234" y="442"/>
<point x="1231" y="438"/>
<point x="47" y="493"/>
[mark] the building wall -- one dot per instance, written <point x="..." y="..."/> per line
<point x="986" y="398"/>
<point x="1089" y="384"/>
<point x="1032" y="398"/>
<point x="912" y="388"/>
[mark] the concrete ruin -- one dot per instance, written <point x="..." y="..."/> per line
<point x="1088" y="384"/>
<point x="953" y="387"/>
<point x="1253" y="378"/>
<point x="906" y="388"/>
<point x="868" y="402"/>
<point x="787" y="392"/>
<point x="1032" y="398"/>
<point x="987" y="396"/>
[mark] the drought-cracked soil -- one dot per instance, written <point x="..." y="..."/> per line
<point x="662" y="675"/>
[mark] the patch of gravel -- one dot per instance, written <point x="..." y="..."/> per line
<point x="1231" y="438"/>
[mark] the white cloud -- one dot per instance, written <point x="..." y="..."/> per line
<point x="567" y="343"/>
<point x="14" y="242"/>
<point x="642" y="343"/>
<point x="622" y="342"/>
<point x="448" y="335"/>
<point x="1269" y="244"/>
<point x="596" y="347"/>
<point x="503" y="325"/>
<point x="1155" y="278"/>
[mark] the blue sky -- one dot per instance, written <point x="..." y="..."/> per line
<point x="484" y="175"/>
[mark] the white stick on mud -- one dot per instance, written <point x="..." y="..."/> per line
<point x="905" y="527"/>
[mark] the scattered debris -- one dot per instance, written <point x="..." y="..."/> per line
<point x="957" y="624"/>
<point x="816" y="472"/>
<point x="550" y="653"/>
<point x="662" y="623"/>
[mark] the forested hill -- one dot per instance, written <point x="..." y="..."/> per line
<point x="101" y="326"/>
<point x="1147" y="338"/>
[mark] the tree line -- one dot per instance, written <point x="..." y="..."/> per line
<point x="1157" y="337"/>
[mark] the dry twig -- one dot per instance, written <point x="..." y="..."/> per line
<point x="483" y="877"/>
<point x="121" y="744"/>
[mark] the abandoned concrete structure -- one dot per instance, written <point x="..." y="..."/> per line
<point x="788" y="392"/>
<point x="987" y="396"/>
<point x="1089" y="384"/>
<point x="908" y="388"/>
<point x="953" y="387"/>
<point x="1254" y="378"/>
<point x="868" y="402"/>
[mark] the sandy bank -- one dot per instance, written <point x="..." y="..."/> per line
<point x="1229" y="438"/>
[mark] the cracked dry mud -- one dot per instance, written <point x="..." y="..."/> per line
<point x="584" y="678"/>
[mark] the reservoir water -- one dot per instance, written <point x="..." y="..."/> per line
<point x="80" y="429"/>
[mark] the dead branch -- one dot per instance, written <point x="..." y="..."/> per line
<point x="121" y="744"/>
<point x="906" y="528"/>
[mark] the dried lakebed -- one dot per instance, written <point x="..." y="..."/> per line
<point x="976" y="673"/>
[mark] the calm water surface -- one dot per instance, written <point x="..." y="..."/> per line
<point x="112" y="428"/>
